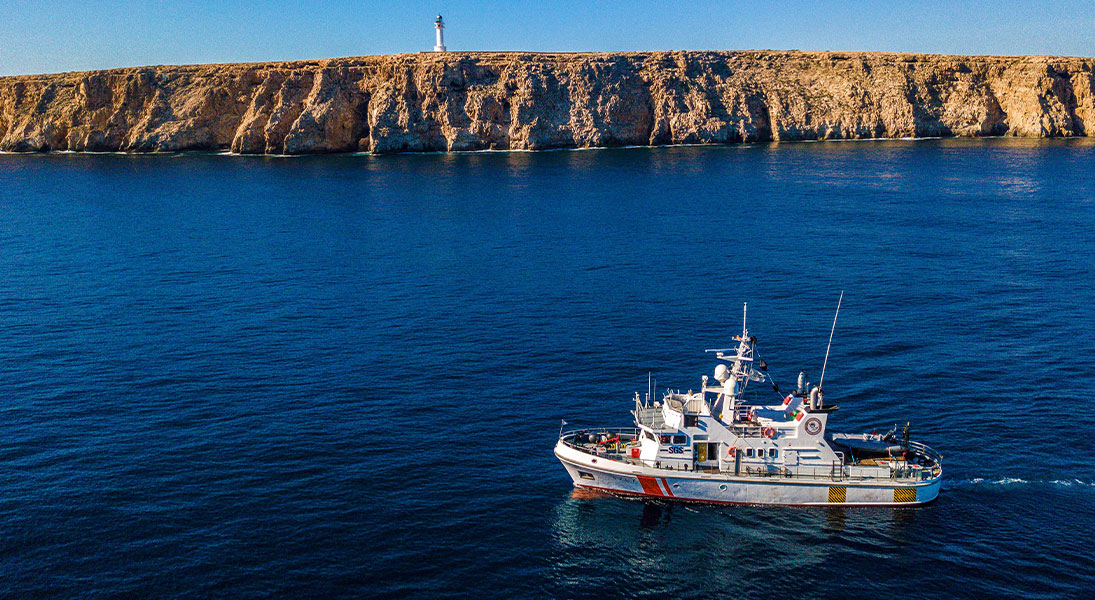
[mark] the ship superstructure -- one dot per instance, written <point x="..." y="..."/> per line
<point x="711" y="445"/>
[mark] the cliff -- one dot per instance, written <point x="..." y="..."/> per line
<point x="472" y="101"/>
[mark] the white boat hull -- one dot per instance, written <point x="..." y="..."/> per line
<point x="591" y="472"/>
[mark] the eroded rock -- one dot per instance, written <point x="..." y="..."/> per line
<point x="475" y="101"/>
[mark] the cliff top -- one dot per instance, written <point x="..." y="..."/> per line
<point x="503" y="57"/>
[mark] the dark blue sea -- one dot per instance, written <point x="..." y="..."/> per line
<point x="342" y="376"/>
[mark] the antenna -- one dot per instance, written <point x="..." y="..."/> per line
<point x="831" y="332"/>
<point x="744" y="311"/>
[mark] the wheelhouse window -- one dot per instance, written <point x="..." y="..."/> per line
<point x="680" y="439"/>
<point x="665" y="439"/>
<point x="749" y="452"/>
<point x="772" y="453"/>
<point x="691" y="420"/>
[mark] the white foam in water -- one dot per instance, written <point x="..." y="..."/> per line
<point x="1008" y="480"/>
<point x="1018" y="481"/>
<point x="1073" y="482"/>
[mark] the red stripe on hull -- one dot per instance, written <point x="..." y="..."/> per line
<point x="668" y="492"/>
<point x="650" y="486"/>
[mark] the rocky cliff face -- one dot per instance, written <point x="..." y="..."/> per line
<point x="473" y="101"/>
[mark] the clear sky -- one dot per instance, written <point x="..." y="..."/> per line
<point x="43" y="36"/>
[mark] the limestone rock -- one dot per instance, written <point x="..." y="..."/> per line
<point x="475" y="101"/>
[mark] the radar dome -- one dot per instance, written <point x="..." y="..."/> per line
<point x="722" y="373"/>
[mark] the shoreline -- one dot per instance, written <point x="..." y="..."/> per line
<point x="754" y="144"/>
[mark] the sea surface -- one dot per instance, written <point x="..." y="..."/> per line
<point x="342" y="376"/>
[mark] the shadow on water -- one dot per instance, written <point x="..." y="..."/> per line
<point x="652" y="515"/>
<point x="675" y="548"/>
<point x="639" y="548"/>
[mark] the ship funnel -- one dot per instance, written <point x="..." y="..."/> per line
<point x="801" y="382"/>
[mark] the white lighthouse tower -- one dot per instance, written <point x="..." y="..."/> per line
<point x="440" y="26"/>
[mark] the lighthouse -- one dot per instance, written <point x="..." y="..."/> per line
<point x="439" y="25"/>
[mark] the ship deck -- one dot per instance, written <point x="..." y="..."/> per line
<point x="620" y="452"/>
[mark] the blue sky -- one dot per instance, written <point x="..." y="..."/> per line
<point x="45" y="36"/>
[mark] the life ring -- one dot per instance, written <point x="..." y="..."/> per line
<point x="769" y="432"/>
<point x="733" y="449"/>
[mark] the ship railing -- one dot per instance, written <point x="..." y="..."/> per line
<point x="747" y="431"/>
<point x="567" y="436"/>
<point x="836" y="473"/>
<point x="926" y="452"/>
<point x="650" y="417"/>
<point x="617" y="451"/>
<point x="599" y="430"/>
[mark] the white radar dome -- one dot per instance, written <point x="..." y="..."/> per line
<point x="722" y="373"/>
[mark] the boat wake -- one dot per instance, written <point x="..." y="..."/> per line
<point x="1016" y="481"/>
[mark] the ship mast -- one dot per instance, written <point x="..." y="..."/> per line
<point x="735" y="378"/>
<point x="830" y="346"/>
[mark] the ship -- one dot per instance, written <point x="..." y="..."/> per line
<point x="713" y="446"/>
